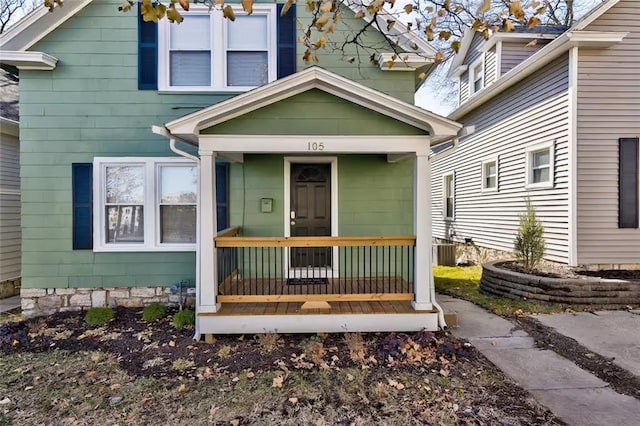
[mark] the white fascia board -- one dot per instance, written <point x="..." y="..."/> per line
<point x="493" y="40"/>
<point x="594" y="14"/>
<point x="455" y="73"/>
<point x="407" y="39"/>
<point x="28" y="60"/>
<point x="536" y="61"/>
<point x="38" y="24"/>
<point x="402" y="61"/>
<point x="465" y="44"/>
<point x="189" y="126"/>
<point x="9" y="127"/>
<point x="596" y="39"/>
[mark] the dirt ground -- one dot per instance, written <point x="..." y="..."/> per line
<point x="59" y="371"/>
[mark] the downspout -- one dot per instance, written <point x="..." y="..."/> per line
<point x="162" y="131"/>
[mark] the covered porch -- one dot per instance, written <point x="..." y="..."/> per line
<point x="320" y="272"/>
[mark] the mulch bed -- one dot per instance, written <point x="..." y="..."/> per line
<point x="160" y="352"/>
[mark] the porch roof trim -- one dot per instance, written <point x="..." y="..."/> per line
<point x="188" y="127"/>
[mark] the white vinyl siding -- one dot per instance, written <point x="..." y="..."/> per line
<point x="608" y="109"/>
<point x="514" y="52"/>
<point x="505" y="127"/>
<point x="490" y="64"/>
<point x="10" y="234"/>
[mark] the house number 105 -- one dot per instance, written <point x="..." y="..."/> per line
<point x="315" y="146"/>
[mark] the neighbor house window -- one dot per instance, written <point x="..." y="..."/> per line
<point x="144" y="204"/>
<point x="207" y="52"/>
<point x="490" y="175"/>
<point x="448" y="195"/>
<point x="476" y="76"/>
<point x="539" y="166"/>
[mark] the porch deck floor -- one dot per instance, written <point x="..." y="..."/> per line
<point x="279" y="286"/>
<point x="337" y="308"/>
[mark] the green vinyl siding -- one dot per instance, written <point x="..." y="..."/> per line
<point x="90" y="106"/>
<point x="314" y="112"/>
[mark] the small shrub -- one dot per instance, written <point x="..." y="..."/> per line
<point x="225" y="352"/>
<point x="529" y="244"/>
<point x="355" y="344"/>
<point x="99" y="316"/>
<point x="315" y="350"/>
<point x="184" y="318"/>
<point x="153" y="312"/>
<point x="269" y="341"/>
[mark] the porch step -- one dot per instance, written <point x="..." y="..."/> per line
<point x="337" y="308"/>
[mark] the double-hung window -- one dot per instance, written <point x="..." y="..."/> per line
<point x="207" y="52"/>
<point x="448" y="196"/>
<point x="476" y="76"/>
<point x="144" y="204"/>
<point x="490" y="175"/>
<point x="539" y="166"/>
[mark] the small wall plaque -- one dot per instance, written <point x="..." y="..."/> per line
<point x="266" y="205"/>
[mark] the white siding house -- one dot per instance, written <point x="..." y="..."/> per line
<point x="549" y="129"/>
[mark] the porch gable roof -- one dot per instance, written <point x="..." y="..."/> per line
<point x="188" y="127"/>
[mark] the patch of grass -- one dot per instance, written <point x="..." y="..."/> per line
<point x="464" y="282"/>
<point x="99" y="316"/>
<point x="154" y="312"/>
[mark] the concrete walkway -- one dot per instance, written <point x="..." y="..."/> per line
<point x="9" y="304"/>
<point x="574" y="395"/>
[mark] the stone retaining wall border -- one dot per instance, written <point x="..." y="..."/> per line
<point x="599" y="292"/>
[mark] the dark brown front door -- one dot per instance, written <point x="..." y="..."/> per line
<point x="311" y="212"/>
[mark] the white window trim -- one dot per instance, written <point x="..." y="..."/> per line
<point x="484" y="162"/>
<point x="151" y="205"/>
<point x="529" y="151"/>
<point x="444" y="195"/>
<point x="472" y="75"/>
<point x="218" y="46"/>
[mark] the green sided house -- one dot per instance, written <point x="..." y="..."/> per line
<point x="294" y="198"/>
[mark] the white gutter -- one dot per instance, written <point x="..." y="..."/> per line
<point x="162" y="131"/>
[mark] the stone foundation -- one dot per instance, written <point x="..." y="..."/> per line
<point x="9" y="288"/>
<point x="597" y="292"/>
<point x="38" y="302"/>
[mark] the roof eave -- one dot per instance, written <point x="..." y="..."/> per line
<point x="28" y="60"/>
<point x="189" y="126"/>
<point x="542" y="57"/>
<point x="9" y="127"/>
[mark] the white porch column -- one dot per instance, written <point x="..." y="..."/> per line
<point x="423" y="277"/>
<point x="208" y="285"/>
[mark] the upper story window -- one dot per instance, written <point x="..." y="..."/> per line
<point x="490" y="175"/>
<point x="539" y="166"/>
<point x="476" y="76"/>
<point x="210" y="53"/>
<point x="448" y="195"/>
<point x="146" y="204"/>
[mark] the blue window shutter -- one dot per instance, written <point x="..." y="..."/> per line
<point x="147" y="54"/>
<point x="628" y="182"/>
<point x="286" y="41"/>
<point x="222" y="195"/>
<point x="82" y="184"/>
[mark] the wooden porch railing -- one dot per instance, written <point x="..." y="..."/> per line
<point x="301" y="269"/>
